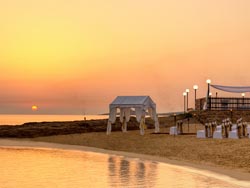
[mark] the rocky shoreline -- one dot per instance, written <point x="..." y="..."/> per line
<point x="39" y="129"/>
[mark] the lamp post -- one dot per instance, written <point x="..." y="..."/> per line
<point x="184" y="95"/>
<point x="243" y="96"/>
<point x="208" y="91"/>
<point x="195" y="89"/>
<point x="208" y="86"/>
<point x="195" y="123"/>
<point x="216" y="95"/>
<point x="187" y="91"/>
<point x="210" y="101"/>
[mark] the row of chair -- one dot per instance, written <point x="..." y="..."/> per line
<point x="225" y="130"/>
<point x="208" y="132"/>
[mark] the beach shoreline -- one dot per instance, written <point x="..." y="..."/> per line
<point x="223" y="156"/>
<point x="217" y="172"/>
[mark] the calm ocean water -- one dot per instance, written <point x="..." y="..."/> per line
<point x="20" y="119"/>
<point x="50" y="168"/>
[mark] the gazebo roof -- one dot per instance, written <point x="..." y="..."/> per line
<point x="133" y="101"/>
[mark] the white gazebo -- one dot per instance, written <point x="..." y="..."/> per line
<point x="141" y="105"/>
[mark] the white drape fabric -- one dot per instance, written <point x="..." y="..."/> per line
<point x="150" y="113"/>
<point x="109" y="128"/>
<point x="112" y="115"/>
<point x="125" y="114"/>
<point x="205" y="105"/>
<point x="154" y="115"/>
<point x="232" y="89"/>
<point x="157" y="126"/>
<point x="112" y="118"/>
<point x="155" y="118"/>
<point x="124" y="118"/>
<point x="122" y="114"/>
<point x="138" y="114"/>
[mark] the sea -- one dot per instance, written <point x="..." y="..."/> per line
<point x="7" y="119"/>
<point x="49" y="168"/>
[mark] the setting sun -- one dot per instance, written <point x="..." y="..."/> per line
<point x="34" y="108"/>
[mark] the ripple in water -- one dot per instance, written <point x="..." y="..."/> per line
<point x="50" y="168"/>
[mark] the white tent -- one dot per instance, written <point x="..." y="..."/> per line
<point x="232" y="89"/>
<point x="141" y="104"/>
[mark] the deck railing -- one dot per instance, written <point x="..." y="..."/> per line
<point x="223" y="103"/>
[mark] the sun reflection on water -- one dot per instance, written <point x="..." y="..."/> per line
<point x="28" y="168"/>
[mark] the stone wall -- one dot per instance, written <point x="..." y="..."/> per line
<point x="199" y="103"/>
<point x="209" y="116"/>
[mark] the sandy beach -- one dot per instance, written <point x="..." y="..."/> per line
<point x="226" y="156"/>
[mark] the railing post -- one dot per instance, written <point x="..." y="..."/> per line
<point x="237" y="104"/>
<point x="210" y="103"/>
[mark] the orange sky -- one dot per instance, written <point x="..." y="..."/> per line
<point x="75" y="57"/>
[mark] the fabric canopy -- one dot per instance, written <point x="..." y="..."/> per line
<point x="232" y="89"/>
<point x="141" y="104"/>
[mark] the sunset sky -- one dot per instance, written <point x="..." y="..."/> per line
<point x="75" y="57"/>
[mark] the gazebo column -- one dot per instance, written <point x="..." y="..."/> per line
<point x="112" y="118"/>
<point x="109" y="127"/>
<point x="124" y="125"/>
<point x="142" y="125"/>
<point x="124" y="118"/>
<point x="153" y="115"/>
<point x="157" y="126"/>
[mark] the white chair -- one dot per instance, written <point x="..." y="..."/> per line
<point x="173" y="130"/>
<point x="234" y="133"/>
<point x="248" y="130"/>
<point x="201" y="134"/>
<point x="176" y="130"/>
<point x="244" y="129"/>
<point x="218" y="132"/>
